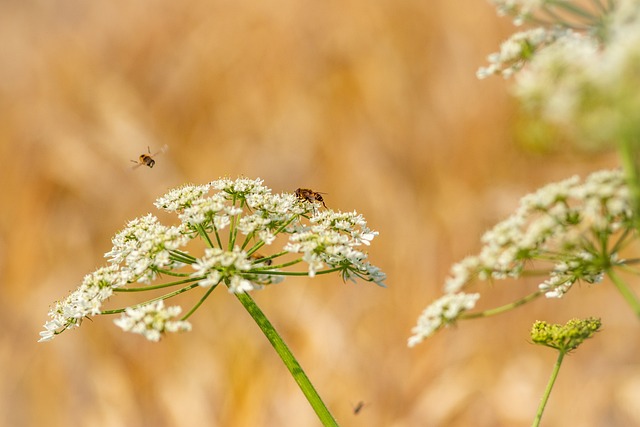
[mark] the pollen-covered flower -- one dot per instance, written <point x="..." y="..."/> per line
<point x="152" y="320"/>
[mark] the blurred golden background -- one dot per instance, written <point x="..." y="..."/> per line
<point x="374" y="103"/>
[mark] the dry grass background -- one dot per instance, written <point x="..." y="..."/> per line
<point x="375" y="103"/>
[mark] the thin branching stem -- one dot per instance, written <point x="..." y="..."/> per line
<point x="502" y="309"/>
<point x="162" y="297"/>
<point x="199" y="303"/>
<point x="547" y="392"/>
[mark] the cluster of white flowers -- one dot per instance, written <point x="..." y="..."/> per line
<point x="84" y="301"/>
<point x="564" y="224"/>
<point x="332" y="239"/>
<point x="145" y="245"/>
<point x="151" y="320"/>
<point x="252" y="218"/>
<point x="516" y="51"/>
<point x="234" y="267"/>
<point x="179" y="198"/>
<point x="519" y="9"/>
<point x="583" y="78"/>
<point x="443" y="312"/>
<point x="570" y="230"/>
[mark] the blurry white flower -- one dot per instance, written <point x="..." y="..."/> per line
<point x="442" y="312"/>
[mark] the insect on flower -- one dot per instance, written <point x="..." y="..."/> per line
<point x="310" y="196"/>
<point x="258" y="258"/>
<point x="147" y="159"/>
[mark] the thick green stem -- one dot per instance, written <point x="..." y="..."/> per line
<point x="629" y="154"/>
<point x="289" y="360"/>
<point x="627" y="294"/>
<point x="547" y="392"/>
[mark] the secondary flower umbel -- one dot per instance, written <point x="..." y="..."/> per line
<point x="568" y="231"/>
<point x="235" y="219"/>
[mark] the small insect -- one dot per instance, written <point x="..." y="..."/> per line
<point x="358" y="407"/>
<point x="310" y="196"/>
<point x="260" y="259"/>
<point x="147" y="159"/>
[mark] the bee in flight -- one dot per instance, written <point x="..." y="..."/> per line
<point x="147" y="159"/>
<point x="310" y="196"/>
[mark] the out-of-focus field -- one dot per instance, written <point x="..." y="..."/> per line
<point x="374" y="103"/>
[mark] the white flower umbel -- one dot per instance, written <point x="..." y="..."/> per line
<point x="145" y="245"/>
<point x="518" y="50"/>
<point x="568" y="231"/>
<point x="443" y="312"/>
<point x="566" y="226"/>
<point x="85" y="301"/>
<point x="578" y="68"/>
<point x="231" y="267"/>
<point x="151" y="320"/>
<point x="553" y="21"/>
<point x="240" y="223"/>
<point x="180" y="198"/>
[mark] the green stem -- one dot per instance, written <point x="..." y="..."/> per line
<point x="183" y="257"/>
<point x="629" y="152"/>
<point x="203" y="233"/>
<point x="503" y="308"/>
<point x="627" y="294"/>
<point x="289" y="360"/>
<point x="295" y="273"/>
<point x="547" y="392"/>
<point x="215" y="231"/>
<point x="199" y="303"/>
<point x="160" y="286"/>
<point x="162" y="297"/>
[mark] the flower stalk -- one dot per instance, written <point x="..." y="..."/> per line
<point x="564" y="339"/>
<point x="289" y="360"/>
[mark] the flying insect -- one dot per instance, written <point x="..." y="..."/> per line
<point x="148" y="159"/>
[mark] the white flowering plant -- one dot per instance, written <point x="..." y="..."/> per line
<point x="576" y="66"/>
<point x="252" y="238"/>
<point x="566" y="232"/>
<point x="578" y="63"/>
